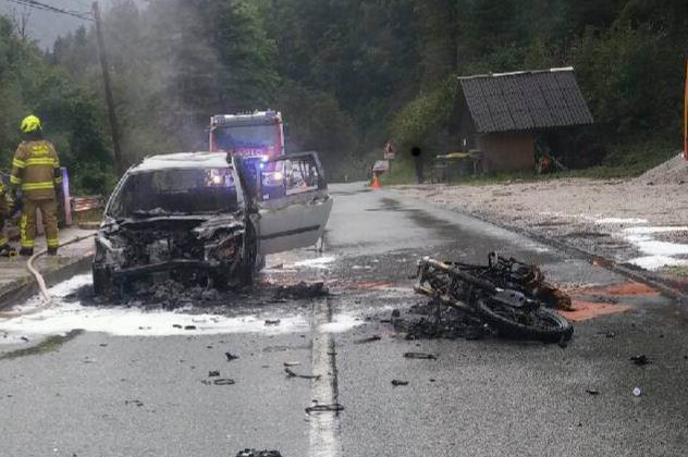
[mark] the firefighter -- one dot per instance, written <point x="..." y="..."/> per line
<point x="5" y="208"/>
<point x="36" y="170"/>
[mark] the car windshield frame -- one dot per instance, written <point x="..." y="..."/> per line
<point x="114" y="207"/>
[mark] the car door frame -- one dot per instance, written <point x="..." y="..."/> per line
<point x="289" y="221"/>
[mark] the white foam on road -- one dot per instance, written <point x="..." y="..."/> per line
<point x="340" y="323"/>
<point x="656" y="254"/>
<point x="622" y="220"/>
<point x="651" y="230"/>
<point x="655" y="262"/>
<point x="317" y="262"/>
<point x="62" y="316"/>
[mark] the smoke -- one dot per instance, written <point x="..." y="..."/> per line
<point x="164" y="70"/>
<point x="44" y="27"/>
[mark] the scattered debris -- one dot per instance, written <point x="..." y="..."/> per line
<point x="292" y="374"/>
<point x="398" y="382"/>
<point x="270" y="322"/>
<point x="637" y="392"/>
<point x="255" y="453"/>
<point x="592" y="391"/>
<point x="420" y="355"/>
<point x="335" y="407"/>
<point x="640" y="360"/>
<point x="422" y="323"/>
<point x="303" y="290"/>
<point x="369" y="339"/>
<point x="229" y="356"/>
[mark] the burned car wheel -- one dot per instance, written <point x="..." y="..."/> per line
<point x="248" y="265"/>
<point x="102" y="281"/>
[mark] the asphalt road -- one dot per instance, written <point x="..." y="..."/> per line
<point x="143" y="388"/>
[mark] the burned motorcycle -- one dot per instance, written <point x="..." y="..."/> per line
<point x="503" y="294"/>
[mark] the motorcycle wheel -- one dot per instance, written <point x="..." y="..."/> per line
<point x="540" y="324"/>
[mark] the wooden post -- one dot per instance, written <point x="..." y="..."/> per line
<point x="112" y="115"/>
<point x="685" y="116"/>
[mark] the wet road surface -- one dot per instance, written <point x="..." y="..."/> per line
<point x="133" y="384"/>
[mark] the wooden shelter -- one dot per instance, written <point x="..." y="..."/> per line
<point x="501" y="115"/>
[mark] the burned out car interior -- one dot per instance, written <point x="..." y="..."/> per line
<point x="197" y="218"/>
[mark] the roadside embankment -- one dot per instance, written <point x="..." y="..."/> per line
<point x="17" y="284"/>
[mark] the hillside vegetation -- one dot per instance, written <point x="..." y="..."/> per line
<point x="347" y="74"/>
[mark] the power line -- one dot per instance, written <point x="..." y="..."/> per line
<point x="45" y="7"/>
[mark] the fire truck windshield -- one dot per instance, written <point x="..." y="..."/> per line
<point x="248" y="140"/>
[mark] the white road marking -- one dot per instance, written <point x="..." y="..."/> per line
<point x="324" y="434"/>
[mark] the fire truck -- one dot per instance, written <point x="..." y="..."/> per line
<point x="256" y="135"/>
<point x="257" y="139"/>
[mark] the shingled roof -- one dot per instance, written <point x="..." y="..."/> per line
<point x="525" y="100"/>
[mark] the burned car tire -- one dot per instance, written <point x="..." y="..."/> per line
<point x="540" y="324"/>
<point x="102" y="281"/>
<point x="247" y="270"/>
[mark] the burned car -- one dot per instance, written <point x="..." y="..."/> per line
<point x="197" y="218"/>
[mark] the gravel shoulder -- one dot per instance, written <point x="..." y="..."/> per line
<point x="630" y="221"/>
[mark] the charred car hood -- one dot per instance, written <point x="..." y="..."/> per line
<point x="209" y="240"/>
<point x="199" y="223"/>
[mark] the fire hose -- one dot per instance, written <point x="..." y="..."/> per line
<point x="36" y="274"/>
<point x="43" y="288"/>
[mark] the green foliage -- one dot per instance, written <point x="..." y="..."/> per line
<point x="630" y="77"/>
<point x="420" y="118"/>
<point x="316" y="122"/>
<point x="29" y="83"/>
<point x="348" y="74"/>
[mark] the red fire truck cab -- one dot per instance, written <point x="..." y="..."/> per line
<point x="256" y="135"/>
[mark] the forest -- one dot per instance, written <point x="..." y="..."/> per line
<point x="347" y="74"/>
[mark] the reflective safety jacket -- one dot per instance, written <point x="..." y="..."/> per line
<point x="36" y="169"/>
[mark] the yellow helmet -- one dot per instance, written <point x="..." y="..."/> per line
<point x="30" y="124"/>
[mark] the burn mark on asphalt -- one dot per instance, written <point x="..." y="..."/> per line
<point x="592" y="302"/>
<point x="50" y="344"/>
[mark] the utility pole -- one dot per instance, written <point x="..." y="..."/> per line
<point x="114" y="127"/>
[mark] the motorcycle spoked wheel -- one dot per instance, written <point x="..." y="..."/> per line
<point x="541" y="323"/>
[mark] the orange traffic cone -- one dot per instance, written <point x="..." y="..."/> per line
<point x="375" y="184"/>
